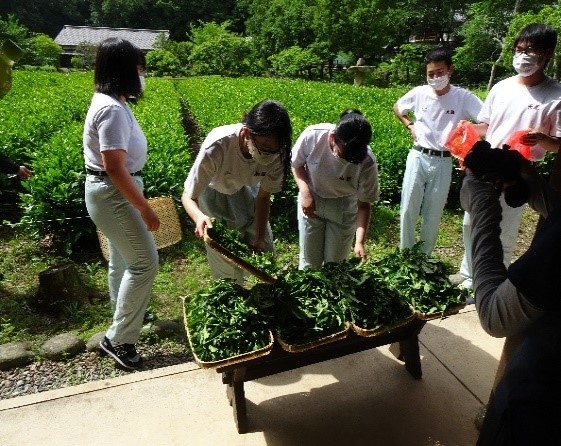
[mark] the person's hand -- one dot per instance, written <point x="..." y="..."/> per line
<point x="151" y="219"/>
<point x="308" y="205"/>
<point x="201" y="223"/>
<point x="532" y="138"/>
<point x="360" y="252"/>
<point x="411" y="129"/>
<point x="23" y="172"/>
<point x="258" y="246"/>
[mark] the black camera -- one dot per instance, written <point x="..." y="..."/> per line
<point x="502" y="167"/>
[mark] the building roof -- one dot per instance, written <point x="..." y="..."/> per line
<point x="71" y="36"/>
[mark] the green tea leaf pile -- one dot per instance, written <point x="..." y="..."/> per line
<point x="226" y="321"/>
<point x="307" y="306"/>
<point x="420" y="280"/>
<point x="232" y="240"/>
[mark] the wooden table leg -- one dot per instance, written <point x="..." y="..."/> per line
<point x="236" y="397"/>
<point x="396" y="350"/>
<point x="410" y="352"/>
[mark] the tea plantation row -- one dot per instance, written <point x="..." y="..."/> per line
<point x="41" y="124"/>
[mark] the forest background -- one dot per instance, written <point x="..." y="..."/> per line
<point x="294" y="38"/>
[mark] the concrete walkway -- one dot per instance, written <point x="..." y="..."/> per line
<point x="363" y="399"/>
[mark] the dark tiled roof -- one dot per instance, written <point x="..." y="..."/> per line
<point x="70" y="36"/>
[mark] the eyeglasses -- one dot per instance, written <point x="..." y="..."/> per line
<point x="529" y="51"/>
<point x="264" y="151"/>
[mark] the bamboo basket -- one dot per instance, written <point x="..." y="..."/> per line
<point x="237" y="261"/>
<point x="439" y="314"/>
<point x="297" y="348"/>
<point x="226" y="361"/>
<point x="371" y="332"/>
<point x="170" y="228"/>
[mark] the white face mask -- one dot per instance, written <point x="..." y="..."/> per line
<point x="439" y="83"/>
<point x="142" y="83"/>
<point x="342" y="160"/>
<point x="525" y="65"/>
<point x="262" y="158"/>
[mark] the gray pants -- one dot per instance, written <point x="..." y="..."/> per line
<point x="329" y="236"/>
<point x="133" y="257"/>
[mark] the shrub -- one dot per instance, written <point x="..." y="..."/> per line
<point x="54" y="207"/>
<point x="42" y="51"/>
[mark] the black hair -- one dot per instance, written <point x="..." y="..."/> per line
<point x="349" y="111"/>
<point x="353" y="133"/>
<point x="268" y="118"/>
<point x="537" y="35"/>
<point x="439" y="54"/>
<point x="116" y="68"/>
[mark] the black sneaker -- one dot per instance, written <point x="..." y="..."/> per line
<point x="124" y="355"/>
<point x="149" y="317"/>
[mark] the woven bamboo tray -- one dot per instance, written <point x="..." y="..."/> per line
<point x="226" y="361"/>
<point x="237" y="261"/>
<point x="297" y="348"/>
<point x="370" y="332"/>
<point x="170" y="228"/>
<point x="439" y="314"/>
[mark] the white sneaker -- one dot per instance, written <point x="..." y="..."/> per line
<point x="467" y="284"/>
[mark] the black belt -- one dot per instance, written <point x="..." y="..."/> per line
<point x="103" y="173"/>
<point x="432" y="152"/>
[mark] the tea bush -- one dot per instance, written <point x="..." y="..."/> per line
<point x="53" y="204"/>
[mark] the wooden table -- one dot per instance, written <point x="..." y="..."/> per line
<point x="405" y="347"/>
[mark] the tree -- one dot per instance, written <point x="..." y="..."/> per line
<point x="216" y="50"/>
<point x="47" y="16"/>
<point x="84" y="57"/>
<point x="11" y="28"/>
<point x="162" y="62"/>
<point x="351" y="27"/>
<point x="294" y="61"/>
<point x="483" y="35"/>
<point x="42" y="50"/>
<point x="407" y="66"/>
<point x="276" y="25"/>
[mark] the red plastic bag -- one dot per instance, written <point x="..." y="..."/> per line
<point x="461" y="140"/>
<point x="515" y="143"/>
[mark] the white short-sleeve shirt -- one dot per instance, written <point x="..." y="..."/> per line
<point x="221" y="165"/>
<point x="436" y="116"/>
<point x="111" y="125"/>
<point x="330" y="176"/>
<point x="511" y="106"/>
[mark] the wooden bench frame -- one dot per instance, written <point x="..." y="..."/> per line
<point x="404" y="346"/>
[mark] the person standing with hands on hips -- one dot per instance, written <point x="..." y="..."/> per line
<point x="115" y="151"/>
<point x="236" y="170"/>
<point x="337" y="178"/>
<point x="437" y="109"/>
<point x="530" y="101"/>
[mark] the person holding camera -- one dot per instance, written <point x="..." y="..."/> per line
<point x="530" y="100"/>
<point x="521" y="302"/>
